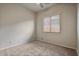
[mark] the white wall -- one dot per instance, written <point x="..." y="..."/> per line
<point x="78" y="28"/>
<point x="16" y="25"/>
<point x="67" y="37"/>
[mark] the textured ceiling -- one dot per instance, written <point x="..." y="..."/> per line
<point x="36" y="7"/>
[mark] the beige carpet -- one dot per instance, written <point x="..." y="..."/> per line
<point x="38" y="48"/>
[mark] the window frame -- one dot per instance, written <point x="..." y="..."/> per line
<point x="51" y="26"/>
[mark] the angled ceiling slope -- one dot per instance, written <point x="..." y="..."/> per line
<point x="37" y="7"/>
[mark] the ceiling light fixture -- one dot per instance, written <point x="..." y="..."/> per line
<point x="40" y="4"/>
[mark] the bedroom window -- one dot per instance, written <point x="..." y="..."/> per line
<point x="51" y="24"/>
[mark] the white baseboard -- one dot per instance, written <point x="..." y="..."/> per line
<point x="17" y="44"/>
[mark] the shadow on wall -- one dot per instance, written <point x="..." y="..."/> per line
<point x="17" y="33"/>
